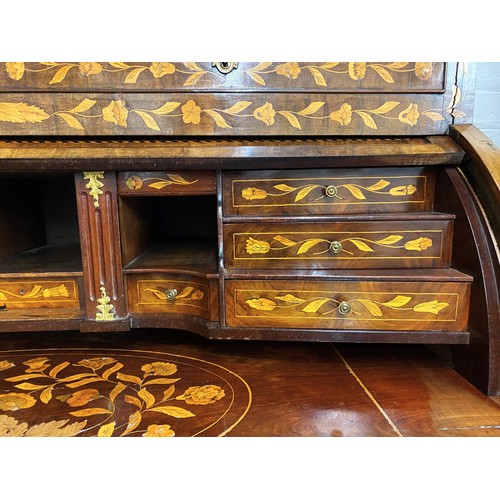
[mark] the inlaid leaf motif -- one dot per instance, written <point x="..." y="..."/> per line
<point x="305" y="191"/>
<point x="292" y="119"/>
<point x="21" y="112"/>
<point x="386" y="107"/>
<point x="383" y="73"/>
<point x="399" y="301"/>
<point x="219" y="119"/>
<point x="60" y="74"/>
<point x="129" y="378"/>
<point x="373" y="308"/>
<point x="81" y="383"/>
<point x="361" y="245"/>
<point x="106" y="430"/>
<point x="58" y="368"/>
<point x="256" y="78"/>
<point x="433" y="115"/>
<point x="433" y="307"/>
<point x="312" y="108"/>
<point x="329" y="65"/>
<point x="133" y="401"/>
<point x="161" y="295"/>
<point x="367" y="119"/>
<point x="390" y="240"/>
<point x="355" y="191"/>
<point x="167" y="108"/>
<point x="193" y="79"/>
<point x="113" y="369"/>
<point x="56" y="428"/>
<point x="162" y="381"/>
<point x="78" y="376"/>
<point x="168" y="393"/>
<point x="290" y="299"/>
<point x="30" y="387"/>
<point x="33" y="292"/>
<point x="160" y="185"/>
<point x="148" y="120"/>
<point x="118" y="389"/>
<point x="238" y="107"/>
<point x="192" y="66"/>
<point x="3" y="297"/>
<point x="134" y="75"/>
<point x="179" y="179"/>
<point x="88" y="412"/>
<point x="185" y="292"/>
<point x="25" y="376"/>
<point x="71" y="121"/>
<point x="147" y="397"/>
<point x="398" y="65"/>
<point x="318" y="76"/>
<point x="315" y="305"/>
<point x="307" y="245"/>
<point x="133" y="422"/>
<point x="46" y="394"/>
<point x="381" y="184"/>
<point x="284" y="187"/>
<point x="173" y="411"/>
<point x="284" y="241"/>
<point x="85" y="105"/>
<point x="119" y="65"/>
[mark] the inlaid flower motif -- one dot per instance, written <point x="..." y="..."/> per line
<point x="252" y="193"/>
<point x="357" y="70"/>
<point x="16" y="401"/>
<point x="342" y="115"/>
<point x="202" y="395"/>
<point x="134" y="182"/>
<point x="15" y="70"/>
<point x="418" y="244"/>
<point x="198" y="295"/>
<point x="402" y="190"/>
<point x="159" y="368"/>
<point x="191" y="113"/>
<point x="57" y="291"/>
<point x="95" y="363"/>
<point x="159" y="69"/>
<point x="5" y="365"/>
<point x="159" y="431"/>
<point x="423" y="70"/>
<point x="256" y="246"/>
<point x="409" y="115"/>
<point x="265" y="114"/>
<point x="36" y="364"/>
<point x="116" y="113"/>
<point x="90" y="68"/>
<point x="289" y="69"/>
<point x="81" y="398"/>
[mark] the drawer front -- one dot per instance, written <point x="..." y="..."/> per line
<point x="166" y="183"/>
<point x="336" y="245"/>
<point x="35" y="294"/>
<point x="169" y="294"/>
<point x="419" y="306"/>
<point x="248" y="76"/>
<point x="327" y="191"/>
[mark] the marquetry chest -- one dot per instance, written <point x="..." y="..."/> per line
<point x="341" y="202"/>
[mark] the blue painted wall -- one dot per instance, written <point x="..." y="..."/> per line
<point x="487" y="100"/>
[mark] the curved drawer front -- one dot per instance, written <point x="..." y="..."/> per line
<point x="166" y="183"/>
<point x="436" y="306"/>
<point x="251" y="76"/>
<point x="357" y="245"/>
<point x="332" y="191"/>
<point x="35" y="294"/>
<point x="167" y="294"/>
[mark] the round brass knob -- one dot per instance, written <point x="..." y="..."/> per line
<point x="345" y="307"/>
<point x="336" y="246"/>
<point x="331" y="191"/>
<point x="171" y="294"/>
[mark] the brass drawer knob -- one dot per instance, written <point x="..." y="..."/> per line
<point x="331" y="191"/>
<point x="225" y="67"/>
<point x="171" y="294"/>
<point x="336" y="246"/>
<point x="345" y="307"/>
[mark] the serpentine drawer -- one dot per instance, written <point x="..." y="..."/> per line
<point x="349" y="305"/>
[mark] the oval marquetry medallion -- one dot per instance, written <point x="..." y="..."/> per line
<point x="111" y="393"/>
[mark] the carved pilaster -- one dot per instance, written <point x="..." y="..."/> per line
<point x="100" y="241"/>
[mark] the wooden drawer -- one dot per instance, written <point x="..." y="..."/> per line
<point x="361" y="244"/>
<point x="327" y="191"/>
<point x="169" y="294"/>
<point x="250" y="76"/>
<point x="166" y="183"/>
<point x="348" y="305"/>
<point x="35" y="294"/>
